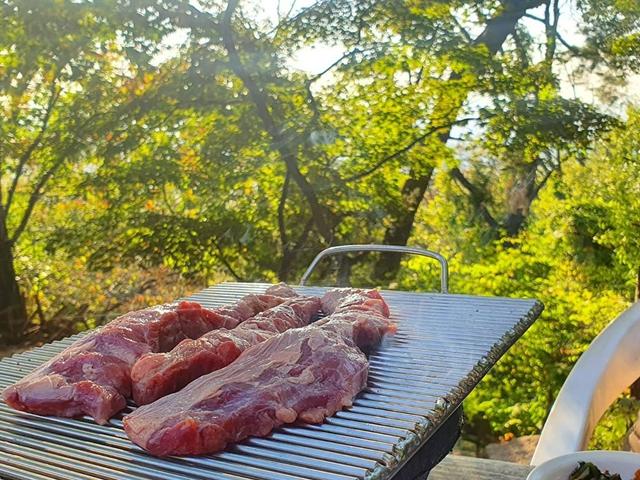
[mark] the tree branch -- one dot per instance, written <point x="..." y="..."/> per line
<point x="493" y="36"/>
<point x="290" y="254"/>
<point x="26" y="156"/>
<point x="572" y="48"/>
<point x="259" y="98"/>
<point x="281" y="223"/>
<point x="348" y="54"/>
<point x="1" y="192"/>
<point x="502" y="25"/>
<point x="546" y="177"/>
<point x="522" y="51"/>
<point x="533" y="17"/>
<point x="36" y="193"/>
<point x="314" y="107"/>
<point x="141" y="138"/>
<point x="496" y="30"/>
<point x="225" y="262"/>
<point x="405" y="149"/>
<point x="315" y="114"/>
<point x="121" y="298"/>
<point x="463" y="30"/>
<point x="190" y="17"/>
<point x="166" y="199"/>
<point x="291" y="7"/>
<point x="551" y="19"/>
<point x="302" y="239"/>
<point x="543" y="182"/>
<point x="35" y="196"/>
<point x="476" y="197"/>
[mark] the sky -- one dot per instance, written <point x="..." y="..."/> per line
<point x="314" y="59"/>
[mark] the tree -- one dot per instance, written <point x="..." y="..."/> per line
<point x="67" y="91"/>
<point x="353" y="164"/>
<point x="215" y="121"/>
<point x="604" y="207"/>
<point x="612" y="28"/>
<point x="36" y="63"/>
<point x="577" y="254"/>
<point x="502" y="63"/>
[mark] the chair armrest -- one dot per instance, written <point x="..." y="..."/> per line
<point x="605" y="369"/>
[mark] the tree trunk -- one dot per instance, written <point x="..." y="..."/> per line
<point x="399" y="231"/>
<point x="286" y="262"/>
<point x="495" y="33"/>
<point x="12" y="308"/>
<point x="344" y="271"/>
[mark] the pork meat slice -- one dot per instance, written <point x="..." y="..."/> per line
<point x="155" y="375"/>
<point x="92" y="376"/>
<point x="304" y="374"/>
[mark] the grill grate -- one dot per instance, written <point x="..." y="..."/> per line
<point x="443" y="347"/>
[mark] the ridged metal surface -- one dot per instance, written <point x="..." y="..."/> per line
<point x="443" y="347"/>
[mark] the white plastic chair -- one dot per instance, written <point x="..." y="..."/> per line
<point x="603" y="372"/>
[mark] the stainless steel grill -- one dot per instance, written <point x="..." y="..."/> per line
<point x="444" y="345"/>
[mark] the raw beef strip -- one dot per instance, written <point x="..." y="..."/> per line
<point x="306" y="373"/>
<point x="92" y="376"/>
<point x="303" y="374"/>
<point x="365" y="310"/>
<point x="157" y="374"/>
<point x="340" y="299"/>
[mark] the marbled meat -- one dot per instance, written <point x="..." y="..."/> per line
<point x="304" y="374"/>
<point x="92" y="376"/>
<point x="157" y="374"/>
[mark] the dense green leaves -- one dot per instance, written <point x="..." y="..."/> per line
<point x="612" y="31"/>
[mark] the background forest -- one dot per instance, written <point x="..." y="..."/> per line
<point x="151" y="147"/>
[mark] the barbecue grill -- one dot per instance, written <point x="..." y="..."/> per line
<point x="403" y="423"/>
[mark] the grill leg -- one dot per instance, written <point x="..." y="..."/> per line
<point x="434" y="450"/>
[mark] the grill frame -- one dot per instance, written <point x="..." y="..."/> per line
<point x="372" y="440"/>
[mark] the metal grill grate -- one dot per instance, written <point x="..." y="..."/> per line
<point x="443" y="347"/>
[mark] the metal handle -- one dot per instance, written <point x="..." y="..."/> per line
<point x="444" y="274"/>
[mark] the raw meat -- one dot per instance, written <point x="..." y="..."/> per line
<point x="342" y="299"/>
<point x="364" y="310"/>
<point x="92" y="376"/>
<point x="157" y="374"/>
<point x="303" y="374"/>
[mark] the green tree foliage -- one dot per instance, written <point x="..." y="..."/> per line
<point x="583" y="240"/>
<point x="612" y="30"/>
<point x="578" y="255"/>
<point x="343" y="160"/>
<point x="612" y="431"/>
<point x="71" y="99"/>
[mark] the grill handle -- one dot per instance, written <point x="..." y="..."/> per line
<point x="444" y="272"/>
